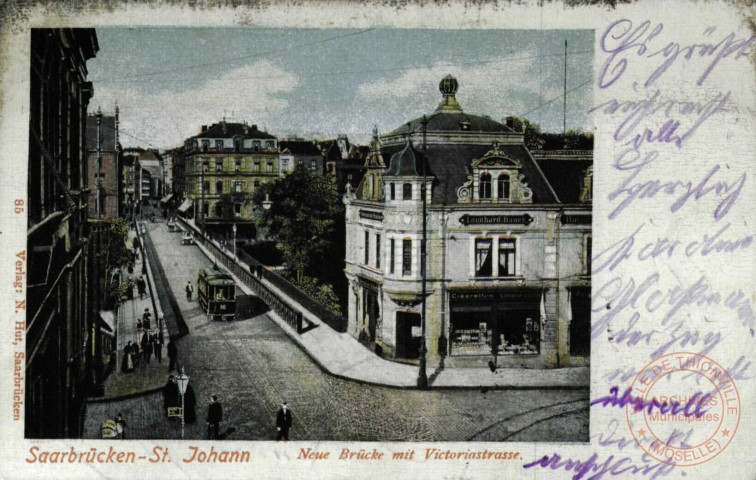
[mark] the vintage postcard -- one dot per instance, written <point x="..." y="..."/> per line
<point x="333" y="240"/>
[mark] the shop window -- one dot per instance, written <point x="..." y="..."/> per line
<point x="484" y="187"/>
<point x="483" y="260"/>
<point x="392" y="251"/>
<point x="507" y="255"/>
<point x="407" y="257"/>
<point x="392" y="191"/>
<point x="367" y="247"/>
<point x="218" y="187"/>
<point x="503" y="186"/>
<point x="487" y="329"/>
<point x="377" y="250"/>
<point x="407" y="191"/>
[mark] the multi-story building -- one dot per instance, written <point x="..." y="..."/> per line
<point x="128" y="189"/>
<point x="508" y="245"/>
<point x="344" y="161"/>
<point x="173" y="187"/>
<point x="150" y="176"/>
<point x="104" y="165"/>
<point x="300" y="154"/>
<point x="62" y="335"/>
<point x="224" y="164"/>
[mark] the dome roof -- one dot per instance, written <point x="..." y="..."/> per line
<point x="449" y="116"/>
<point x="407" y="162"/>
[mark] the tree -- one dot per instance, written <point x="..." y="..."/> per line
<point x="304" y="219"/>
<point x="533" y="137"/>
<point x="115" y="255"/>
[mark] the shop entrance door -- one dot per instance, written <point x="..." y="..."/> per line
<point x="371" y="313"/>
<point x="407" y="346"/>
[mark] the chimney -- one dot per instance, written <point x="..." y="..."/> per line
<point x="254" y="128"/>
<point x="204" y="128"/>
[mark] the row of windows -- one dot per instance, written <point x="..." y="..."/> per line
<point x="493" y="256"/>
<point x="406" y="253"/>
<point x="256" y="167"/>
<point x="218" y="209"/>
<point x="238" y="187"/>
<point x="238" y="145"/>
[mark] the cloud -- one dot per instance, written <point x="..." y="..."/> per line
<point x="499" y="87"/>
<point x="251" y="92"/>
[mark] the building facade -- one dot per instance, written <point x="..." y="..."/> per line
<point x="104" y="165"/>
<point x="300" y="154"/>
<point x="62" y="344"/>
<point x="344" y="161"/>
<point x="223" y="167"/>
<point x="508" y="258"/>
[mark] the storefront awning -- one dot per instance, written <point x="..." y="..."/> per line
<point x="108" y="322"/>
<point x="185" y="206"/>
<point x="167" y="198"/>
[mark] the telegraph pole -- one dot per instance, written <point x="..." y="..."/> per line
<point x="98" y="180"/>
<point x="422" y="377"/>
<point x="564" y="109"/>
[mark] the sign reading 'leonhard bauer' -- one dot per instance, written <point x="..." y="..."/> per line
<point x="524" y="219"/>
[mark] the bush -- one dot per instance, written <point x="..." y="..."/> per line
<point x="265" y="252"/>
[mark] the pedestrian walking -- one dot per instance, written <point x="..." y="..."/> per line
<point x="146" y="347"/>
<point x="127" y="365"/>
<point x="190" y="402"/>
<point x="141" y="287"/>
<point x="189" y="291"/>
<point x="157" y="346"/>
<point x="214" y="418"/>
<point x="172" y="354"/>
<point x="146" y="319"/>
<point x="170" y="394"/>
<point x="283" y="422"/>
<point x="121" y="426"/>
<point x="137" y="355"/>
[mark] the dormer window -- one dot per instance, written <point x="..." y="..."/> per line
<point x="407" y="191"/>
<point x="205" y="145"/>
<point x="503" y="186"/>
<point x="484" y="186"/>
<point x="219" y="145"/>
<point x="464" y="125"/>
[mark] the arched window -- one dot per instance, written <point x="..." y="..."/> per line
<point x="503" y="186"/>
<point x="484" y="189"/>
<point x="218" y="187"/>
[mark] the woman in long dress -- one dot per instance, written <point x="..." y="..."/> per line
<point x="127" y="365"/>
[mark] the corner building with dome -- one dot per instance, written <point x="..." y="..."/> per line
<point x="508" y="245"/>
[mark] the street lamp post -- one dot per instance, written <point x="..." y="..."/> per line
<point x="234" y="230"/>
<point x="183" y="383"/>
<point x="422" y="376"/>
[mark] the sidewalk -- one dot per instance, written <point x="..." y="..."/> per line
<point x="341" y="355"/>
<point x="154" y="374"/>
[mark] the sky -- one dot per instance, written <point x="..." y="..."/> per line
<point x="319" y="83"/>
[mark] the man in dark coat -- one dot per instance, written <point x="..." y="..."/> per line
<point x="146" y="319"/>
<point x="170" y="394"/>
<point x="190" y="402"/>
<point x="172" y="354"/>
<point x="283" y="422"/>
<point x="214" y="418"/>
<point x="146" y="347"/>
<point x="157" y="346"/>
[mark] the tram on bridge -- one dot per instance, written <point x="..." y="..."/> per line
<point x="217" y="294"/>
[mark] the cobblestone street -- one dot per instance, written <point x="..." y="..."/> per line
<point x="252" y="366"/>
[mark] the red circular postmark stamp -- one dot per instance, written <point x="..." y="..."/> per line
<point x="684" y="395"/>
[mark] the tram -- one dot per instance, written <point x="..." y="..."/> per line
<point x="217" y="295"/>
